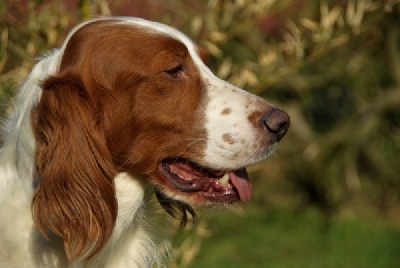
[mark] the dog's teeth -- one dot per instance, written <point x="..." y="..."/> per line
<point x="225" y="179"/>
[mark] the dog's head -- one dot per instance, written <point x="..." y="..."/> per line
<point x="136" y="96"/>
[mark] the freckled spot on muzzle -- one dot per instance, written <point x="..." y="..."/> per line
<point x="254" y="118"/>
<point x="226" y="111"/>
<point x="228" y="138"/>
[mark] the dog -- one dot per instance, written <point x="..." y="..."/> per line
<point x="124" y="108"/>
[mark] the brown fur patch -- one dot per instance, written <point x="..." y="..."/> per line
<point x="228" y="138"/>
<point x="254" y="118"/>
<point x="112" y="107"/>
<point x="226" y="111"/>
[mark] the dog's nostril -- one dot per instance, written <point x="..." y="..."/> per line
<point x="277" y="122"/>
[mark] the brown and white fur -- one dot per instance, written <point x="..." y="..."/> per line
<point x="125" y="107"/>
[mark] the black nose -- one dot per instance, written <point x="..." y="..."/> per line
<point x="277" y="122"/>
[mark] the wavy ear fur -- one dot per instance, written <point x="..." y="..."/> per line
<point x="75" y="195"/>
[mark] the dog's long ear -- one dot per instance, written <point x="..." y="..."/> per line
<point x="75" y="195"/>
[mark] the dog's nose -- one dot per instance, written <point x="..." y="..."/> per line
<point x="277" y="122"/>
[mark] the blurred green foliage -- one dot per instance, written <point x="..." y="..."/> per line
<point x="298" y="238"/>
<point x="334" y="66"/>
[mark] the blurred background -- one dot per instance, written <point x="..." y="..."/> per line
<point x="330" y="196"/>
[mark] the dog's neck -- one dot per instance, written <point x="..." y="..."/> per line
<point x="137" y="240"/>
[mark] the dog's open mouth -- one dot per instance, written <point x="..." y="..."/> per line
<point x="213" y="185"/>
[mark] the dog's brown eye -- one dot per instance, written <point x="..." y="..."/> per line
<point x="175" y="72"/>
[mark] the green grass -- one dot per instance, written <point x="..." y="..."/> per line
<point x="297" y="239"/>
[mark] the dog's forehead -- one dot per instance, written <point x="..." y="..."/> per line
<point x="155" y="28"/>
<point x="197" y="53"/>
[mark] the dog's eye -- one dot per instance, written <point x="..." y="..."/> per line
<point x="175" y="72"/>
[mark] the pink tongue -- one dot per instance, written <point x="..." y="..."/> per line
<point x="240" y="179"/>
